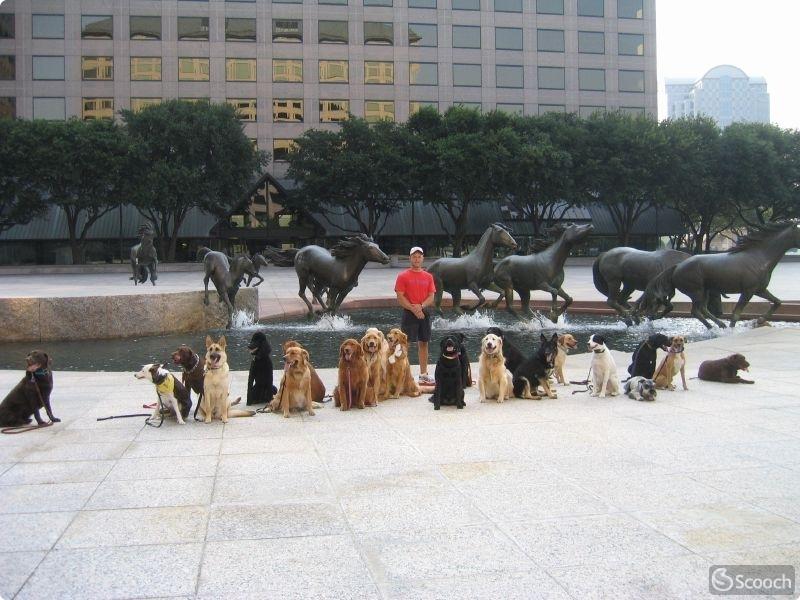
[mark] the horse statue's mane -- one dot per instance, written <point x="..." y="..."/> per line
<point x="347" y="246"/>
<point x="758" y="235"/>
<point x="503" y="226"/>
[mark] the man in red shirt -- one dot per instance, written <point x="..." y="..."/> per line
<point x="415" y="289"/>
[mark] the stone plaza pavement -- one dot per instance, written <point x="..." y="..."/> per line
<point x="575" y="497"/>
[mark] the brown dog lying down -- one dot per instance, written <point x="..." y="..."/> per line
<point x="353" y="383"/>
<point x="30" y="394"/>
<point x="724" y="370"/>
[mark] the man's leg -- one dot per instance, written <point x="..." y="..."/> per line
<point x="423" y="357"/>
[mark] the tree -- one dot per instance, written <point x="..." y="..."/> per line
<point x="19" y="200"/>
<point x="360" y="171"/>
<point x="189" y="155"/>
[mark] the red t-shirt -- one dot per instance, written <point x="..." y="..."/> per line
<point x="415" y="285"/>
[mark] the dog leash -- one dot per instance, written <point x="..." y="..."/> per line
<point x="24" y="428"/>
<point x="160" y="413"/>
<point x="586" y="382"/>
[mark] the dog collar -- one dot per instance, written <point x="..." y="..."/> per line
<point x="450" y="357"/>
<point x="671" y="351"/>
<point x="599" y="351"/>
<point x="196" y="360"/>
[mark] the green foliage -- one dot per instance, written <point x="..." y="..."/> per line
<point x="19" y="200"/>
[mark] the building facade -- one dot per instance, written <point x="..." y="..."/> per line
<point x="293" y="65"/>
<point x="725" y="93"/>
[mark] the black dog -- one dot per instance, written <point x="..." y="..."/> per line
<point x="463" y="359"/>
<point x="449" y="374"/>
<point x="30" y="394"/>
<point x="643" y="363"/>
<point x="535" y="371"/>
<point x="514" y="358"/>
<point x="259" y="381"/>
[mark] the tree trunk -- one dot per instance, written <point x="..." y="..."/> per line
<point x="76" y="245"/>
<point x="460" y="231"/>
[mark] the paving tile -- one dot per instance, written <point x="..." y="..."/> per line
<point x="42" y="498"/>
<point x="278" y="520"/>
<point x="386" y="480"/>
<point x="266" y="443"/>
<point x="145" y="493"/>
<point x="163" y="467"/>
<point x="269" y="488"/>
<point x="197" y="447"/>
<point x="56" y="472"/>
<point x="754" y="482"/>
<point x="519" y="587"/>
<point x="259" y="464"/>
<point x="63" y="452"/>
<point x="38" y="531"/>
<point x="15" y="568"/>
<point x="787" y="554"/>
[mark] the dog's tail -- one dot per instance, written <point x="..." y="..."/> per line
<point x="201" y="253"/>
<point x="599" y="281"/>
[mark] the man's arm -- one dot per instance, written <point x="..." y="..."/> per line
<point x="428" y="301"/>
<point x="414" y="308"/>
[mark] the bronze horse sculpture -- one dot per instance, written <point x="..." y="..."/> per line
<point x="144" y="259"/>
<point x="632" y="269"/>
<point x="541" y="271"/>
<point x="226" y="279"/>
<point x="337" y="269"/>
<point x="472" y="272"/>
<point x="744" y="270"/>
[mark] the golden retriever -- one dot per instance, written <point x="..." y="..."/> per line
<point x="295" y="388"/>
<point x="494" y="380"/>
<point x="673" y="362"/>
<point x="317" y="387"/>
<point x="376" y="353"/>
<point x="400" y="380"/>
<point x="565" y="343"/>
<point x="353" y="384"/>
<point x="216" y="384"/>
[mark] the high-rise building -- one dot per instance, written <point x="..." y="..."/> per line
<point x="291" y="65"/>
<point x="725" y="93"/>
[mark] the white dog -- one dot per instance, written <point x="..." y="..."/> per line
<point x="604" y="369"/>
<point x="494" y="380"/>
<point x="173" y="395"/>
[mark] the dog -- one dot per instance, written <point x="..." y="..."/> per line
<point x="494" y="379"/>
<point x="295" y="388"/>
<point x="449" y="373"/>
<point x="673" y="362"/>
<point x="640" y="388"/>
<point x="376" y="353"/>
<point x="724" y="370"/>
<point x="216" y="384"/>
<point x="173" y="395"/>
<point x="192" y="373"/>
<point x="30" y="394"/>
<point x="317" y="387"/>
<point x="514" y="358"/>
<point x="565" y="343"/>
<point x="535" y="371"/>
<point x="603" y="368"/>
<point x="400" y="381"/>
<point x="353" y="381"/>
<point x="259" y="380"/>
<point x="643" y="361"/>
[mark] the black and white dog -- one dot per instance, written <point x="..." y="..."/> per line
<point x="535" y="371"/>
<point x="643" y="362"/>
<point x="259" y="381"/>
<point x="514" y="358"/>
<point x="173" y="394"/>
<point x="640" y="388"/>
<point x="449" y="374"/>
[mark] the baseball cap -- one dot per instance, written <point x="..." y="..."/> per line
<point x="416" y="249"/>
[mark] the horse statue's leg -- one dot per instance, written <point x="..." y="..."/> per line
<point x="700" y="309"/>
<point x="744" y="298"/>
<point x="437" y="299"/>
<point x="205" y="285"/>
<point x="473" y="287"/>
<point x="776" y="304"/>
<point x="493" y="287"/>
<point x="615" y="300"/>
<point x="154" y="271"/>
<point x="302" y="293"/>
<point x="455" y="295"/>
<point x="525" y="302"/>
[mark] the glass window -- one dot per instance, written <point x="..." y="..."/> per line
<point x="97" y="68"/>
<point x="466" y="36"/>
<point x="592" y="80"/>
<point x="333" y="32"/>
<point x="97" y="108"/>
<point x="97" y="27"/>
<point x="379" y="33"/>
<point x="287" y="1"/>
<point x="421" y="3"/>
<point x="281" y="149"/>
<point x="193" y="28"/>
<point x="630" y="9"/>
<point x="509" y="76"/>
<point x="240" y="30"/>
<point x="8" y="67"/>
<point x="287" y="30"/>
<point x="423" y="34"/>
<point x="551" y="78"/>
<point x="631" y="44"/>
<point x="194" y="100"/>
<point x="508" y="5"/>
<point x="333" y="111"/>
<point x="378" y="72"/>
<point x="508" y="38"/>
<point x="48" y="67"/>
<point x="145" y="68"/>
<point x="423" y="74"/>
<point x="377" y="2"/>
<point x="552" y="108"/>
<point x="8" y="107"/>
<point x="584" y="112"/>
<point x="51" y="109"/>
<point x="633" y="111"/>
<point x="287" y="111"/>
<point x="466" y="75"/>
<point x="631" y="81"/>
<point x="7" y="28"/>
<point x="145" y="28"/>
<point x="417" y="105"/>
<point x="513" y="109"/>
<point x="378" y="110"/>
<point x="591" y="42"/>
<point x="47" y="26"/>
<point x="245" y="108"/>
<point x="342" y="2"/>
<point x="475" y="105"/>
<point x="240" y="69"/>
<point x="333" y="71"/>
<point x="550" y="40"/>
<point x="466" y="4"/>
<point x="550" y="7"/>
<point x="193" y="69"/>
<point x="138" y="104"/>
<point x="287" y="70"/>
<point x="590" y="8"/>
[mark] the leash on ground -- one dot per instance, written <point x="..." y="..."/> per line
<point x="24" y="428"/>
<point x="589" y="386"/>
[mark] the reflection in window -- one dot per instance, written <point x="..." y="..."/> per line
<point x="193" y="69"/>
<point x="287" y="30"/>
<point x="422" y="34"/>
<point x="333" y="32"/>
<point x="509" y="76"/>
<point x="421" y="3"/>
<point x="508" y="38"/>
<point x="48" y="67"/>
<point x="287" y="111"/>
<point x="377" y="2"/>
<point x="6" y="27"/>
<point x="417" y="105"/>
<point x="8" y="107"/>
<point x="287" y="70"/>
<point x="466" y="36"/>
<point x="97" y="108"/>
<point x="240" y="30"/>
<point x="8" y="67"/>
<point x="281" y="149"/>
<point x="587" y="111"/>
<point x="340" y="2"/>
<point x="50" y="109"/>
<point x="145" y="68"/>
<point x="378" y="110"/>
<point x="512" y="109"/>
<point x="245" y="108"/>
<point x="591" y="42"/>
<point x="47" y="26"/>
<point x="466" y="4"/>
<point x="631" y="81"/>
<point x="240" y="69"/>
<point x="138" y="104"/>
<point x="633" y="111"/>
<point x="631" y="44"/>
<point x="550" y="7"/>
<point x="552" y="108"/>
<point x="550" y="40"/>
<point x="145" y="28"/>
<point x="97" y="27"/>
<point x="333" y="71"/>
<point x="193" y="28"/>
<point x="97" y="68"/>
<point x="423" y="74"/>
<point x="630" y="9"/>
<point x="333" y="111"/>
<point x="473" y="105"/>
<point x="378" y="33"/>
<point x="378" y="72"/>
<point x="551" y="78"/>
<point x="466" y="75"/>
<point x="508" y="5"/>
<point x="592" y="80"/>
<point x="590" y="8"/>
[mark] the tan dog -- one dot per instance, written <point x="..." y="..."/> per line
<point x="317" y="387"/>
<point x="494" y="380"/>
<point x="673" y="362"/>
<point x="565" y="343"/>
<point x="376" y="353"/>
<point x="353" y="384"/>
<point x="217" y="382"/>
<point x="295" y="388"/>
<point x="398" y="372"/>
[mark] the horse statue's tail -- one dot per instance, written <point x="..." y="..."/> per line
<point x="278" y="257"/>
<point x="201" y="252"/>
<point x="658" y="292"/>
<point x="599" y="281"/>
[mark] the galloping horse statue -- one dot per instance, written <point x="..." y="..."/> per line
<point x="337" y="269"/>
<point x="144" y="260"/>
<point x="745" y="270"/>
<point x="633" y="269"/>
<point x="541" y="271"/>
<point x="227" y="280"/>
<point x="472" y="272"/>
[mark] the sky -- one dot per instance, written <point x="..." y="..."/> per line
<point x="761" y="37"/>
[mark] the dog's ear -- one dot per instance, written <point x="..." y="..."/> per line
<point x="304" y="354"/>
<point x="359" y="351"/>
<point x="209" y="341"/>
<point x="48" y="362"/>
<point x="341" y="348"/>
<point x="542" y="337"/>
<point x="222" y="342"/>
<point x="554" y="338"/>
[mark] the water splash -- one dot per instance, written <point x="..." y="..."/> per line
<point x="476" y="320"/>
<point x="243" y="319"/>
